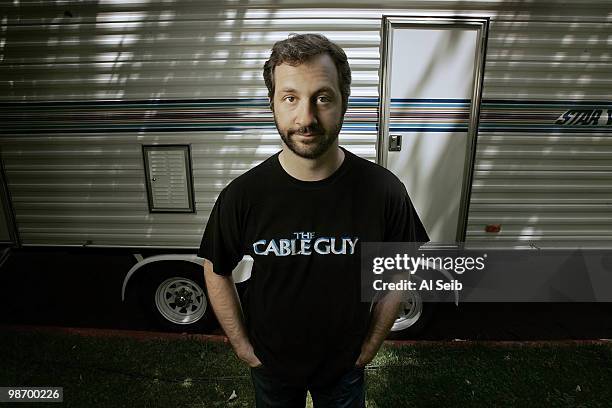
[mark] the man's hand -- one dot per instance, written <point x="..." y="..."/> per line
<point x="362" y="361"/>
<point x="245" y="353"/>
<point x="366" y="356"/>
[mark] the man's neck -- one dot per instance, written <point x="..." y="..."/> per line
<point x="311" y="169"/>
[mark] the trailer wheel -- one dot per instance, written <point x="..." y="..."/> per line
<point x="413" y="315"/>
<point x="176" y="298"/>
<point x="180" y="300"/>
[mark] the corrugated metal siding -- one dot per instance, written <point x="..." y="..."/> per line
<point x="86" y="183"/>
<point x="544" y="183"/>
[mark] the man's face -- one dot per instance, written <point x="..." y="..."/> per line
<point x="307" y="106"/>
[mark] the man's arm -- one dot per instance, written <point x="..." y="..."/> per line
<point x="384" y="314"/>
<point x="224" y="300"/>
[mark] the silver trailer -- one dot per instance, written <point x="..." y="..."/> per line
<point x="122" y="121"/>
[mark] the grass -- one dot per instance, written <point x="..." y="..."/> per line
<point x="122" y="372"/>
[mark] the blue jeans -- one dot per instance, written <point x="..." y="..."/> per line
<point x="273" y="392"/>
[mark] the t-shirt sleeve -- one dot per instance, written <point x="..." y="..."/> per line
<point x="402" y="222"/>
<point x="222" y="240"/>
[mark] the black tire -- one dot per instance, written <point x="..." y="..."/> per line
<point x="174" y="297"/>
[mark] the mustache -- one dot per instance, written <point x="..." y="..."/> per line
<point x="312" y="130"/>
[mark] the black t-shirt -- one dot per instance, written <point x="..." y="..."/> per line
<point x="302" y="304"/>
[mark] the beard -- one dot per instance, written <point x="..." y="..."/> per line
<point x="314" y="147"/>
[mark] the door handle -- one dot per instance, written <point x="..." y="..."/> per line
<point x="395" y="143"/>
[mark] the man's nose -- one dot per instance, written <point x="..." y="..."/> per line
<point x="306" y="114"/>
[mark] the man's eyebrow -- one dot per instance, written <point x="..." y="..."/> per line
<point x="326" y="89"/>
<point x="320" y="90"/>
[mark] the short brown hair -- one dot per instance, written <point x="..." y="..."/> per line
<point x="299" y="48"/>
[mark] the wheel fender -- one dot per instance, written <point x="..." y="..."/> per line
<point x="449" y="277"/>
<point x="241" y="273"/>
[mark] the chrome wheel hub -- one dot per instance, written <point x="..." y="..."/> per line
<point x="180" y="300"/>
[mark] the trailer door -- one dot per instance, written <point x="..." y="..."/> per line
<point x="431" y="78"/>
<point x="6" y="235"/>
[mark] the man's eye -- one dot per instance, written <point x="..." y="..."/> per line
<point x="290" y="98"/>
<point x="323" y="99"/>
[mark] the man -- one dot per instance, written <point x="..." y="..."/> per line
<point x="301" y="215"/>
